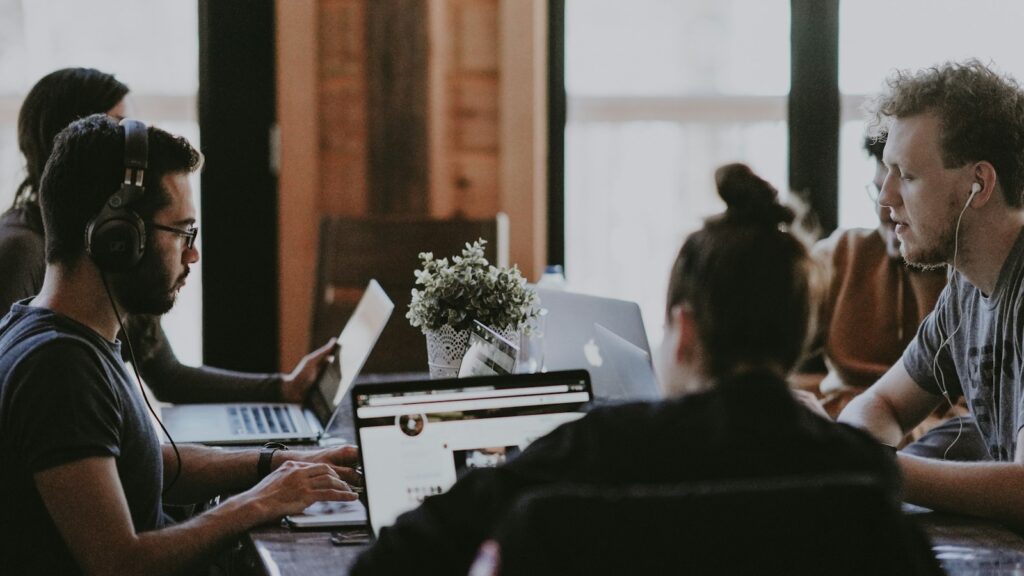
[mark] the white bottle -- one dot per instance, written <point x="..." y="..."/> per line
<point x="553" y="278"/>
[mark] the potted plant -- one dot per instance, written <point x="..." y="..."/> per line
<point x="450" y="296"/>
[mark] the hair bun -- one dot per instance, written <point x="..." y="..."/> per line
<point x="749" y="199"/>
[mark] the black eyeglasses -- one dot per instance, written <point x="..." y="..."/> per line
<point x="189" y="234"/>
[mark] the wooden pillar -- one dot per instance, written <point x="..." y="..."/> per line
<point x="299" y="171"/>
<point x="524" y="126"/>
<point x="396" y="54"/>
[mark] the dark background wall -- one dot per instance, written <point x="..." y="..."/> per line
<point x="239" y="189"/>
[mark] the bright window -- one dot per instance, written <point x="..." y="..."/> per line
<point x="879" y="36"/>
<point x="150" y="45"/>
<point x="662" y="92"/>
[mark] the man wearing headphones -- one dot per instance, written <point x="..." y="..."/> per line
<point x="82" y="471"/>
<point x="955" y="158"/>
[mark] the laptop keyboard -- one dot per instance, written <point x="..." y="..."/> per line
<point x="261" y="420"/>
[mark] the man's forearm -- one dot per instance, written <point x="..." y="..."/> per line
<point x="194" y="544"/>
<point x="208" y="472"/>
<point x="874" y="415"/>
<point x="992" y="490"/>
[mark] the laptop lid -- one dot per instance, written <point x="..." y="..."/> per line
<point x="356" y="341"/>
<point x="569" y="336"/>
<point x="252" y="423"/>
<point x="621" y="372"/>
<point x="417" y="438"/>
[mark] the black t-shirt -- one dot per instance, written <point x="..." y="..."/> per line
<point x="745" y="427"/>
<point x="65" y="395"/>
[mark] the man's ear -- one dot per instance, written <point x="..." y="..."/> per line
<point x="985" y="177"/>
<point x="686" y="325"/>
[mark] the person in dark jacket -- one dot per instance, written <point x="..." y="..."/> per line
<point x="737" y="321"/>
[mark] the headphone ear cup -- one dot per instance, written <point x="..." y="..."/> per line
<point x="116" y="237"/>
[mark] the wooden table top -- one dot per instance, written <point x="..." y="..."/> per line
<point x="965" y="546"/>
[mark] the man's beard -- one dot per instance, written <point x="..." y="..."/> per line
<point x="934" y="258"/>
<point x="146" y="288"/>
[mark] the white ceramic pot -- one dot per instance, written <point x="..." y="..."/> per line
<point x="446" y="347"/>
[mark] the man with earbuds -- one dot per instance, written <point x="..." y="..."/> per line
<point x="83" y="474"/>
<point x="955" y="159"/>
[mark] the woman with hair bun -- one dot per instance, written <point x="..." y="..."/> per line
<point x="737" y="318"/>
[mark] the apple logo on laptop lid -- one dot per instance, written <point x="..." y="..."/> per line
<point x="592" y="352"/>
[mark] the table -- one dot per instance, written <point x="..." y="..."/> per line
<point x="965" y="546"/>
<point x="971" y="546"/>
<point x="280" y="551"/>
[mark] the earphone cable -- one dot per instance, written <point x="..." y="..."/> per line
<point x="940" y="378"/>
<point x="138" y="377"/>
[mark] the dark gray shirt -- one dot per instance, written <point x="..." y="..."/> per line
<point x="22" y="256"/>
<point x="66" y="395"/>
<point x="983" y="356"/>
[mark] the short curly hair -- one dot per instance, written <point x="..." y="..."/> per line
<point x="981" y="114"/>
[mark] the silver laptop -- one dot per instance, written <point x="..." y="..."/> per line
<point x="569" y="335"/>
<point x="620" y="371"/>
<point x="254" y="423"/>
<point x="417" y="438"/>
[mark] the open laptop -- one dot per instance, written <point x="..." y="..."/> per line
<point x="254" y="423"/>
<point x="417" y="438"/>
<point x="569" y="334"/>
<point x="621" y="372"/>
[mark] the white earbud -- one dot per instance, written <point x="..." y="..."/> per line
<point x="975" y="188"/>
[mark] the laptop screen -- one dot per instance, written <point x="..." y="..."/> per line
<point x="417" y="438"/>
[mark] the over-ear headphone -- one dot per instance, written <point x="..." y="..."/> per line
<point x="116" y="237"/>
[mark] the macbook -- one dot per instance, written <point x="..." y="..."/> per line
<point x="255" y="423"/>
<point x="621" y="372"/>
<point x="569" y="335"/>
<point x="417" y="438"/>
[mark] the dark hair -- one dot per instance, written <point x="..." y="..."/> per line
<point x="87" y="166"/>
<point x="980" y="112"/>
<point x="58" y="99"/>
<point x="874" y="145"/>
<point x="747" y="279"/>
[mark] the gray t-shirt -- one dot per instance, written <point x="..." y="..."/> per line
<point x="984" y="351"/>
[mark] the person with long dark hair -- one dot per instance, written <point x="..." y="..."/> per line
<point x="52" y="104"/>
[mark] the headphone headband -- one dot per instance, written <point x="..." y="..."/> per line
<point x="136" y="151"/>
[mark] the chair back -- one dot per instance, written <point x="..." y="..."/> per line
<point x="354" y="250"/>
<point x="819" y="525"/>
